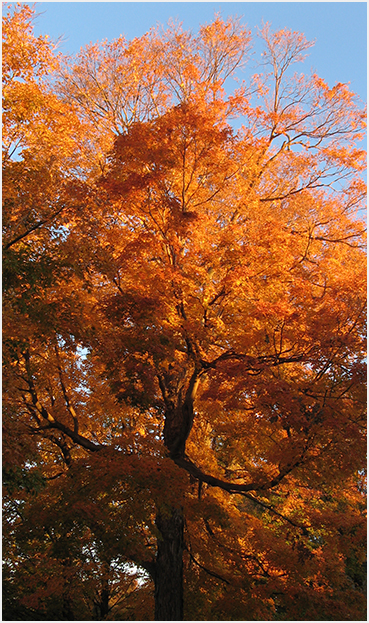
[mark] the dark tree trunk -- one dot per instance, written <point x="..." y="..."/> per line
<point x="67" y="602"/>
<point x="67" y="610"/>
<point x="101" y="605"/>
<point x="104" y="604"/>
<point x="179" y="387"/>
<point x="169" y="566"/>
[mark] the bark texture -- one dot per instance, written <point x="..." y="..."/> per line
<point x="179" y="387"/>
<point x="169" y="566"/>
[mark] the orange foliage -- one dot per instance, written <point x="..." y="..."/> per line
<point x="184" y="328"/>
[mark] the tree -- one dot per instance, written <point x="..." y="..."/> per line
<point x="185" y="338"/>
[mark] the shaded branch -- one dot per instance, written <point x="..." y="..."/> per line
<point x="272" y="510"/>
<point x="212" y="573"/>
<point x="185" y="463"/>
<point x="33" y="228"/>
<point x="252" y="363"/>
<point x="64" y="390"/>
<point x="41" y="413"/>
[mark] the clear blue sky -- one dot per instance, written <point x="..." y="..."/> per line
<point x="339" y="28"/>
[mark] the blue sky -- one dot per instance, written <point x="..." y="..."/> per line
<point x="339" y="28"/>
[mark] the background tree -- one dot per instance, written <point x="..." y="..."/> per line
<point x="184" y="332"/>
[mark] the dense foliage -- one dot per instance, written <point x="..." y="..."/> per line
<point x="184" y="331"/>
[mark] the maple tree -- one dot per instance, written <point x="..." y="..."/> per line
<point x="184" y="331"/>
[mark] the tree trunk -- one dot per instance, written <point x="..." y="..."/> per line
<point x="102" y="606"/>
<point x="169" y="566"/>
<point x="179" y="389"/>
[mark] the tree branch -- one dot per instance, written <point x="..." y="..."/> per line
<point x="33" y="228"/>
<point x="272" y="510"/>
<point x="185" y="463"/>
<point x="212" y="573"/>
<point x="252" y="363"/>
<point x="43" y="413"/>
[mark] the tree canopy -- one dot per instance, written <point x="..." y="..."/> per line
<point x="184" y="330"/>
